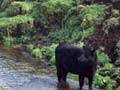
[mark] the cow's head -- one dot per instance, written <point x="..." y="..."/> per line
<point x="90" y="49"/>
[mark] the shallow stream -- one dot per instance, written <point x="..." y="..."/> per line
<point x="16" y="73"/>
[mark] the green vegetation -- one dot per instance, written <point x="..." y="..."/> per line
<point x="41" y="24"/>
<point x="36" y="53"/>
<point x="49" y="52"/>
<point x="76" y="27"/>
<point x="112" y="21"/>
<point x="8" y="41"/>
<point x="4" y="4"/>
<point x="103" y="82"/>
<point x="9" y="26"/>
<point x="48" y="14"/>
<point x="117" y="62"/>
<point x="102" y="57"/>
<point x="11" y="22"/>
<point x="118" y="88"/>
<point x="3" y="14"/>
<point x="17" y="8"/>
<point x="30" y="48"/>
<point x="115" y="12"/>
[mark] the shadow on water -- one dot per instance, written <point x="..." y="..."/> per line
<point x="16" y="75"/>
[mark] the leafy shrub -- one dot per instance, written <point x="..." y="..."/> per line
<point x="52" y="60"/>
<point x="13" y="26"/>
<point x="49" y="52"/>
<point x="76" y="27"/>
<point x="51" y="12"/>
<point x="109" y="83"/>
<point x="35" y="0"/>
<point x="116" y="76"/>
<point x="30" y="47"/>
<point x="99" y="81"/>
<point x="102" y="57"/>
<point x="109" y="87"/>
<point x="113" y="1"/>
<point x="112" y="21"/>
<point x="18" y="8"/>
<point x="23" y="38"/>
<point x="8" y="41"/>
<point x="84" y="21"/>
<point x="3" y="14"/>
<point x="12" y="22"/>
<point x="118" y="88"/>
<point x="117" y="62"/>
<point x="66" y="35"/>
<point x="88" y="15"/>
<point x="36" y="53"/>
<point x="106" y="70"/>
<point x="4" y="4"/>
<point x="103" y="82"/>
<point x="108" y="66"/>
<point x="81" y="44"/>
<point x="115" y="12"/>
<point x="92" y="13"/>
<point x="118" y="44"/>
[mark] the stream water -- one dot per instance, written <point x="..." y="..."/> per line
<point x="16" y="74"/>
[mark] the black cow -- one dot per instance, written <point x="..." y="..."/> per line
<point x="70" y="58"/>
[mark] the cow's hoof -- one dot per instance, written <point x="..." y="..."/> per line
<point x="63" y="85"/>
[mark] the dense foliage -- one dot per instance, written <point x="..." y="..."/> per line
<point x="18" y="8"/>
<point x="40" y="24"/>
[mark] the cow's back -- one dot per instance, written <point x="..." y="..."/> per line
<point x="68" y="51"/>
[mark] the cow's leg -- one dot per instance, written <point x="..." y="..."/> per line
<point x="90" y="78"/>
<point x="81" y="81"/>
<point x="59" y="75"/>
<point x="62" y="75"/>
<point x="64" y="82"/>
